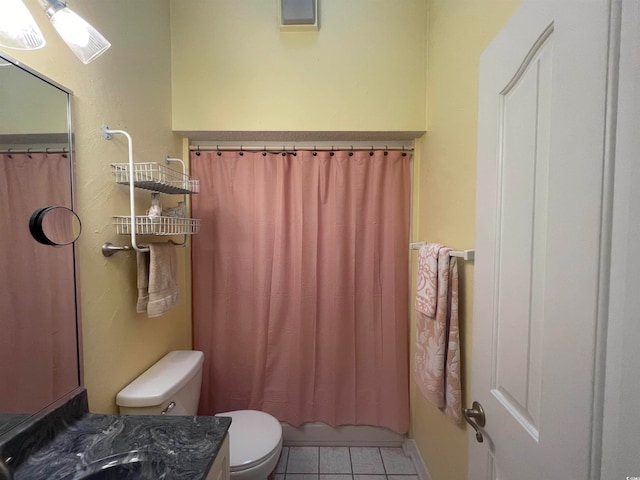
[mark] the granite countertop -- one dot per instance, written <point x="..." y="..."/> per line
<point x="181" y="447"/>
<point x="9" y="421"/>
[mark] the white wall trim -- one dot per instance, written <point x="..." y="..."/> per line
<point x="609" y="155"/>
<point x="348" y="435"/>
<point x="410" y="448"/>
<point x="622" y="386"/>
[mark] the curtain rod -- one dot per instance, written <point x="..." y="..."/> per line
<point x="294" y="148"/>
<point x="9" y="151"/>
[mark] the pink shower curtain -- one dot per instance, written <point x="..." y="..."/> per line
<point x="38" y="351"/>
<point x="300" y="285"/>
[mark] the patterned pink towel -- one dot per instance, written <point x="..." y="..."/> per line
<point x="437" y="354"/>
<point x="427" y="289"/>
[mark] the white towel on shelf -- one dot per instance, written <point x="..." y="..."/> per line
<point x="163" y="284"/>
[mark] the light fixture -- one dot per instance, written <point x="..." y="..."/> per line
<point x="18" y="29"/>
<point x="83" y="40"/>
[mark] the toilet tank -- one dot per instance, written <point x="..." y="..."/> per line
<point x="171" y="386"/>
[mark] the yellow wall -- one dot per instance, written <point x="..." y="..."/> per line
<point x="458" y="32"/>
<point x="233" y="69"/>
<point x="129" y="87"/>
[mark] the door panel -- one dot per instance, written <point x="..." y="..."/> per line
<point x="521" y="242"/>
<point x="538" y="230"/>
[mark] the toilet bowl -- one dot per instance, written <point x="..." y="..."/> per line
<point x="255" y="443"/>
<point x="172" y="387"/>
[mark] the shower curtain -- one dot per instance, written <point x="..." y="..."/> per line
<point x="300" y="285"/>
<point x="38" y="350"/>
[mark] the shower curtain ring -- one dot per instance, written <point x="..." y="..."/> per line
<point x="9" y="153"/>
<point x="218" y="150"/>
<point x="29" y="152"/>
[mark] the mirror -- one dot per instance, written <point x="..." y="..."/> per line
<point x="38" y="315"/>
<point x="55" y="225"/>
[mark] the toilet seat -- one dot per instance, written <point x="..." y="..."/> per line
<point x="254" y="437"/>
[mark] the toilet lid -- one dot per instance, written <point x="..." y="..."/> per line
<point x="253" y="435"/>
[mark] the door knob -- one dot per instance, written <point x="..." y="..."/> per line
<point x="475" y="417"/>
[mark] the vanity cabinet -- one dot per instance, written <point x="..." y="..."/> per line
<point x="220" y="468"/>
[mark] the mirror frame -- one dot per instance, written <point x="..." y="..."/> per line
<point x="32" y="418"/>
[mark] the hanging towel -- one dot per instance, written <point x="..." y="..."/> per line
<point x="163" y="286"/>
<point x="427" y="289"/>
<point x="437" y="353"/>
<point x="142" y="261"/>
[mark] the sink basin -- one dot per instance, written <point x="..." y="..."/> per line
<point x="132" y="465"/>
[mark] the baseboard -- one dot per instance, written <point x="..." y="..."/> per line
<point x="411" y="449"/>
<point x="348" y="435"/>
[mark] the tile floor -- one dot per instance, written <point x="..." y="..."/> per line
<point x="344" y="463"/>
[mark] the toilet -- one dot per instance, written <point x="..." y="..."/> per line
<point x="172" y="387"/>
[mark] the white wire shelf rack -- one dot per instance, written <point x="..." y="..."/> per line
<point x="157" y="225"/>
<point x="156" y="177"/>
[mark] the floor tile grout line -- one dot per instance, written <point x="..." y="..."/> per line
<point x="353" y="475"/>
<point x="384" y="467"/>
<point x="285" y="465"/>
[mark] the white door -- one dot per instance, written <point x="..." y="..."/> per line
<point x="539" y="227"/>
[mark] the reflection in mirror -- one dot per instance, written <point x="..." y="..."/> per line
<point x="38" y="319"/>
<point x="55" y="225"/>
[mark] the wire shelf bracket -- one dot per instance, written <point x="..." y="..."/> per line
<point x="155" y="177"/>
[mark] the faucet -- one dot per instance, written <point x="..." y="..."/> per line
<point x="5" y="473"/>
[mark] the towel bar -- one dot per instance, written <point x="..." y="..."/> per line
<point x="109" y="248"/>
<point x="464" y="254"/>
